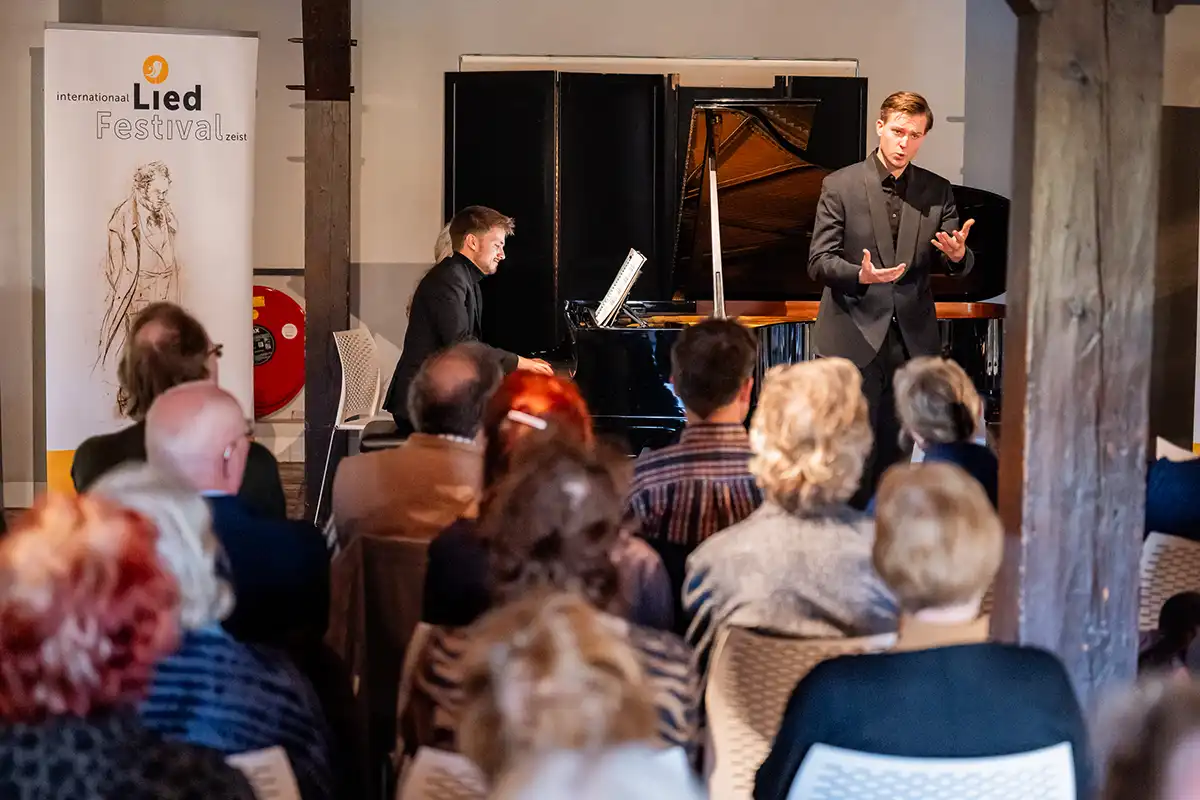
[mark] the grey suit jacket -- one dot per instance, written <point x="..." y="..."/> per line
<point x="851" y="217"/>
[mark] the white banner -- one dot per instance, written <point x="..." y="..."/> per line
<point x="149" y="157"/>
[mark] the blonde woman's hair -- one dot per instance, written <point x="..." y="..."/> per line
<point x="186" y="544"/>
<point x="938" y="541"/>
<point x="545" y="673"/>
<point x="443" y="248"/>
<point x="936" y="401"/>
<point x="810" y="434"/>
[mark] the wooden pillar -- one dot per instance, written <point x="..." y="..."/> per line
<point x="1077" y="356"/>
<point x="326" y="229"/>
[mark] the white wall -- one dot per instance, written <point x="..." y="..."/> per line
<point x="990" y="75"/>
<point x="1181" y="72"/>
<point x="21" y="267"/>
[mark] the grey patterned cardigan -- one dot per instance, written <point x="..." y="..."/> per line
<point x="807" y="576"/>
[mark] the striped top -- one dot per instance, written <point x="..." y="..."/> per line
<point x="219" y="693"/>
<point x="686" y="492"/>
<point x="430" y="718"/>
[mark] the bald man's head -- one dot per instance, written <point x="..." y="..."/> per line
<point x="198" y="431"/>
<point x="448" y="394"/>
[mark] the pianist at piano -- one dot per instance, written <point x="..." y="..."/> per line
<point x="716" y="189"/>
<point x="882" y="228"/>
<point x="447" y="306"/>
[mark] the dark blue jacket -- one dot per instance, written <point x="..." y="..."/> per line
<point x="977" y="460"/>
<point x="1172" y="489"/>
<point x="965" y="701"/>
<point x="279" y="571"/>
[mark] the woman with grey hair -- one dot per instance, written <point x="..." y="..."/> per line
<point x="215" y="691"/>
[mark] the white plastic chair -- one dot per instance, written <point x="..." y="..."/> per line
<point x="750" y="680"/>
<point x="832" y="773"/>
<point x="1169" y="565"/>
<point x="358" y="403"/>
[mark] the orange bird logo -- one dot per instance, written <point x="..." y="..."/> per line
<point x="155" y="69"/>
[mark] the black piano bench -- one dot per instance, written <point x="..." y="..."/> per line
<point x="380" y="435"/>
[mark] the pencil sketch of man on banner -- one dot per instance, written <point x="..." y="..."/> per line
<point x="141" y="265"/>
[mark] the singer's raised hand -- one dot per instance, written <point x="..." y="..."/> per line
<point x="868" y="273"/>
<point x="954" y="245"/>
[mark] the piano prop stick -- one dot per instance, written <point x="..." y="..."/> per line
<point x="714" y="215"/>
<point x="614" y="298"/>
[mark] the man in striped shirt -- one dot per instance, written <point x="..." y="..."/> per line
<point x="686" y="492"/>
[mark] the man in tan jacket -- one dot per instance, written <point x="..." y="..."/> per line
<point x="417" y="489"/>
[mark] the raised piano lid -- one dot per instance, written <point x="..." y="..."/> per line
<point x="768" y="188"/>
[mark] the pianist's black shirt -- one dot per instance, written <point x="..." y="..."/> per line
<point x="895" y="192"/>
<point x="447" y="308"/>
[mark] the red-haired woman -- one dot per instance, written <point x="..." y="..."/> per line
<point x="528" y="408"/>
<point x="86" y="611"/>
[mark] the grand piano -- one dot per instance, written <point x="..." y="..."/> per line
<point x="752" y="162"/>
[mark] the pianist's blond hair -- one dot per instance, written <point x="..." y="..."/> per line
<point x="810" y="434"/>
<point x="908" y="103"/>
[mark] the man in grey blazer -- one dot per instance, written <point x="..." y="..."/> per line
<point x="882" y="227"/>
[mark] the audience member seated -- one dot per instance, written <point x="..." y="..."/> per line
<point x="166" y="346"/>
<point x="531" y="406"/>
<point x="1150" y="740"/>
<point x="280" y="568"/>
<point x="1165" y="649"/>
<point x="941" y="413"/>
<point x="628" y="772"/>
<point x="549" y="688"/>
<point x="88" y="610"/>
<point x="1172" y="485"/>
<point x="418" y="489"/>
<point x="549" y="672"/>
<point x="684" y="493"/>
<point x="944" y="692"/>
<point x="551" y="526"/>
<point x="215" y="691"/>
<point x="801" y="564"/>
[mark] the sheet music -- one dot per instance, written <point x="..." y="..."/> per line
<point x="441" y="775"/>
<point x="269" y="772"/>
<point x="619" y="290"/>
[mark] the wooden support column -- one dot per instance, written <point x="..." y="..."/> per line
<point x="326" y="229"/>
<point x="1077" y="356"/>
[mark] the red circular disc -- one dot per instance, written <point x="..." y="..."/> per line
<point x="278" y="350"/>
